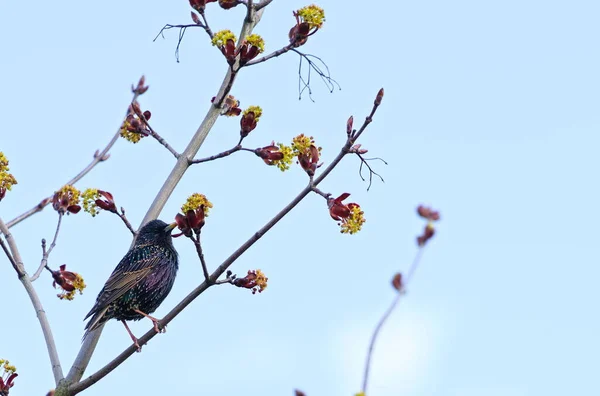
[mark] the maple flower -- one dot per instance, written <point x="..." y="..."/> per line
<point x="253" y="45"/>
<point x="279" y="155"/>
<point x="199" y="5"/>
<point x="255" y="280"/>
<point x="429" y="231"/>
<point x="307" y="153"/>
<point x="308" y="20"/>
<point x="249" y="120"/>
<point x="227" y="4"/>
<point x="225" y="40"/>
<point x="230" y="107"/>
<point x="8" y="373"/>
<point x="133" y="128"/>
<point x="7" y="180"/>
<point x="92" y="201"/>
<point x="350" y="217"/>
<point x="195" y="210"/>
<point x="66" y="200"/>
<point x="68" y="281"/>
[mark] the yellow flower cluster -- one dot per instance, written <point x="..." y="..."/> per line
<point x="194" y="202"/>
<point x="132" y="137"/>
<point x="257" y="41"/>
<point x="88" y="198"/>
<point x="353" y="223"/>
<point x="288" y="157"/>
<point x="261" y="280"/>
<point x="313" y="15"/>
<point x="301" y="144"/>
<point x="220" y="38"/>
<point x="78" y="285"/>
<point x="257" y="110"/>
<point x="7" y="180"/>
<point x="71" y="192"/>
<point x="6" y="367"/>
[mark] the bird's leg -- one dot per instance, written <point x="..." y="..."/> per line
<point x="154" y="321"/>
<point x="133" y="338"/>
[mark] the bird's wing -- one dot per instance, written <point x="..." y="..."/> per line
<point x="134" y="267"/>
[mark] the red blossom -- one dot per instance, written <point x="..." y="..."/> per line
<point x="269" y="154"/>
<point x="308" y="160"/>
<point x="428" y="213"/>
<point x="193" y="220"/>
<point x="337" y="209"/>
<point x="107" y="203"/>
<point x="61" y="203"/>
<point x="64" y="278"/>
<point x="227" y="4"/>
<point x="427" y="234"/>
<point x="199" y="5"/>
<point x="5" y="386"/>
<point x="397" y="282"/>
<point x="247" y="123"/>
<point x="247" y="53"/>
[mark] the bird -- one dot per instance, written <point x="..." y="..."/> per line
<point x="140" y="282"/>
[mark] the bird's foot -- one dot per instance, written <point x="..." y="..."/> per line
<point x="155" y="322"/>
<point x="137" y="345"/>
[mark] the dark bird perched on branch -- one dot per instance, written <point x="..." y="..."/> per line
<point x="141" y="281"/>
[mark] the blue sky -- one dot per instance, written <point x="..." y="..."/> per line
<point x="490" y="115"/>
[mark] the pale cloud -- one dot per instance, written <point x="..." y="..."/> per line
<point x="403" y="354"/>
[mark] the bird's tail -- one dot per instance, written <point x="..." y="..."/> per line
<point x="97" y="320"/>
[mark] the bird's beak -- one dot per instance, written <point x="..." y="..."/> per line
<point x="170" y="227"/>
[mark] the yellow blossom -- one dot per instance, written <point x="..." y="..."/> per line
<point x="71" y="193"/>
<point x="132" y="137"/>
<point x="257" y="41"/>
<point x="220" y="38"/>
<point x="288" y="157"/>
<point x="257" y="110"/>
<point x="261" y="280"/>
<point x="194" y="202"/>
<point x="313" y="15"/>
<point x="88" y="198"/>
<point x="7" y="180"/>
<point x="353" y="223"/>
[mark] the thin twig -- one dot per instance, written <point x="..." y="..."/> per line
<point x="371" y="171"/>
<point x="321" y="193"/>
<point x="126" y="222"/>
<point x="153" y="133"/>
<point x="198" y="245"/>
<point x="387" y="313"/>
<point x="182" y="29"/>
<point x="10" y="257"/>
<point x="35" y="301"/>
<point x="46" y="252"/>
<point x="92" y="379"/>
<point x="99" y="156"/>
<point x="304" y="84"/>
<point x="206" y="27"/>
<point x="274" y="54"/>
<point x="221" y="155"/>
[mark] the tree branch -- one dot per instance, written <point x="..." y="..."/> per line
<point x="99" y="156"/>
<point x="198" y="246"/>
<point x="46" y="253"/>
<point x="386" y="315"/>
<point x="159" y="139"/>
<point x="89" y="344"/>
<point x="274" y="54"/>
<point x="92" y="379"/>
<point x="126" y="222"/>
<point x="35" y="301"/>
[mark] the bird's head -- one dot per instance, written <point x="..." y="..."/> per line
<point x="155" y="231"/>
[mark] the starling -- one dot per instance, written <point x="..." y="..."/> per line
<point x="141" y="281"/>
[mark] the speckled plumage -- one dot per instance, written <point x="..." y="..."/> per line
<point x="142" y="279"/>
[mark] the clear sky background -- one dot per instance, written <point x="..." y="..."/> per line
<point x="491" y="114"/>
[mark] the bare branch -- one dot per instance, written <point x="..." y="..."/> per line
<point x="386" y="315"/>
<point x="35" y="301"/>
<point x="46" y="253"/>
<point x="198" y="246"/>
<point x="10" y="257"/>
<point x="182" y="29"/>
<point x="99" y="156"/>
<point x="126" y="222"/>
<point x="221" y="155"/>
<point x="321" y="193"/>
<point x="274" y="54"/>
<point x="304" y="83"/>
<point x="363" y="161"/>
